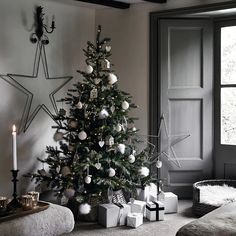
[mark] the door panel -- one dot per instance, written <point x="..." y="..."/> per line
<point x="186" y="101"/>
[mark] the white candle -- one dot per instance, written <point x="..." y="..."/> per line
<point x="14" y="147"/>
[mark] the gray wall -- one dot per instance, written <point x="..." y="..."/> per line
<point x="74" y="27"/>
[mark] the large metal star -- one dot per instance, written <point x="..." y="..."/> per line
<point x="39" y="91"/>
<point x="170" y="141"/>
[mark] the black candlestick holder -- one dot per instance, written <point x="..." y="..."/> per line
<point x="14" y="202"/>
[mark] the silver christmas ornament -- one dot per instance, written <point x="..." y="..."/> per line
<point x="131" y="158"/>
<point x="159" y="164"/>
<point x="111" y="172"/>
<point x="89" y="69"/>
<point x="118" y="127"/>
<point x="101" y="143"/>
<point x="121" y="148"/>
<point x="108" y="48"/>
<point x="82" y="135"/>
<point x="103" y="114"/>
<point x="112" y="78"/>
<point x="112" y="109"/>
<point x="88" y="179"/>
<point x="125" y="105"/>
<point x="98" y="165"/>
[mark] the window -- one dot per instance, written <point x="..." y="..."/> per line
<point x="228" y="85"/>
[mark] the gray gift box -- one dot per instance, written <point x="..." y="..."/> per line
<point x="111" y="215"/>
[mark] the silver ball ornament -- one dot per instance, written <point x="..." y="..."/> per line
<point x="118" y="127"/>
<point x="112" y="78"/>
<point x="82" y="135"/>
<point x="88" y="179"/>
<point x="125" y="105"/>
<point x="103" y="114"/>
<point x="79" y="105"/>
<point x="111" y="172"/>
<point x="89" y="69"/>
<point x="159" y="164"/>
<point x="131" y="158"/>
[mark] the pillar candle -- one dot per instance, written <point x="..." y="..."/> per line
<point x="14" y="147"/>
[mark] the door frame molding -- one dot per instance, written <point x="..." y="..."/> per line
<point x="154" y="55"/>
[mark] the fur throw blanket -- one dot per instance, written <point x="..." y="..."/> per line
<point x="220" y="222"/>
<point x="217" y="195"/>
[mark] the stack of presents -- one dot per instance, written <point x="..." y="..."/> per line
<point x="149" y="205"/>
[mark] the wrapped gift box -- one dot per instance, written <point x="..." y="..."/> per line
<point x="138" y="207"/>
<point x="171" y="202"/>
<point x="134" y="220"/>
<point x="155" y="211"/>
<point x="147" y="192"/>
<point x="111" y="215"/>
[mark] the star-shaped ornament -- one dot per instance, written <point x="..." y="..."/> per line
<point x="39" y="89"/>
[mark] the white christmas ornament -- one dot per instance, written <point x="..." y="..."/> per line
<point x="125" y="105"/>
<point x="88" y="179"/>
<point x="79" y="105"/>
<point x="131" y="158"/>
<point x="112" y="78"/>
<point x="159" y="164"/>
<point x="134" y="129"/>
<point x="65" y="171"/>
<point x="69" y="192"/>
<point x="98" y="165"/>
<point x="82" y="135"/>
<point x="103" y="114"/>
<point x="118" y="127"/>
<point x="144" y="171"/>
<point x="121" y="148"/>
<point x="111" y="172"/>
<point x="112" y="109"/>
<point x="84" y="209"/>
<point x="89" y="69"/>
<point x="108" y="48"/>
<point x="58" y="136"/>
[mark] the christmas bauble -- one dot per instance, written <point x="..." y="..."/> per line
<point x="159" y="164"/>
<point x="144" y="171"/>
<point x="69" y="192"/>
<point x="103" y="114"/>
<point x="58" y="136"/>
<point x="111" y="172"/>
<point x="125" y="105"/>
<point x="108" y="48"/>
<point x="73" y="124"/>
<point x="131" y="158"/>
<point x="84" y="209"/>
<point x="134" y="129"/>
<point x="88" y="179"/>
<point x="118" y="127"/>
<point x="65" y="171"/>
<point x="98" y="165"/>
<point x="97" y="81"/>
<point x="58" y="169"/>
<point x="82" y="135"/>
<point x="101" y="143"/>
<point x="112" y="78"/>
<point x="89" y="69"/>
<point x="79" y="105"/>
<point x="112" y="109"/>
<point x="121" y="148"/>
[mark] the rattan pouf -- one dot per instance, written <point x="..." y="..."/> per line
<point x="200" y="209"/>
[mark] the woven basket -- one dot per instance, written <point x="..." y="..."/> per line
<point x="200" y="209"/>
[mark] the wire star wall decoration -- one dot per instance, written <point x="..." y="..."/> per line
<point x="38" y="93"/>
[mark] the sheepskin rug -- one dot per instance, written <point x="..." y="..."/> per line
<point x="217" y="195"/>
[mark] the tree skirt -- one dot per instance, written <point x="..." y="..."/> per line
<point x="220" y="222"/>
<point x="217" y="195"/>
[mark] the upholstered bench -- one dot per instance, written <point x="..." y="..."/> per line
<point x="55" y="220"/>
<point x="220" y="222"/>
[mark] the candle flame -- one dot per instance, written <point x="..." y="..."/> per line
<point x="14" y="128"/>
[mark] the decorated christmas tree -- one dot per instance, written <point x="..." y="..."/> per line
<point x="99" y="149"/>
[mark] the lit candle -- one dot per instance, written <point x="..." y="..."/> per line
<point x="14" y="147"/>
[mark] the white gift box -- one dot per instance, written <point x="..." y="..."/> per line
<point x="155" y="211"/>
<point x="147" y="192"/>
<point x="171" y="202"/>
<point x="111" y="215"/>
<point x="134" y="220"/>
<point x="138" y="207"/>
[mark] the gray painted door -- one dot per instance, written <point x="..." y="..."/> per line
<point x="186" y="101"/>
